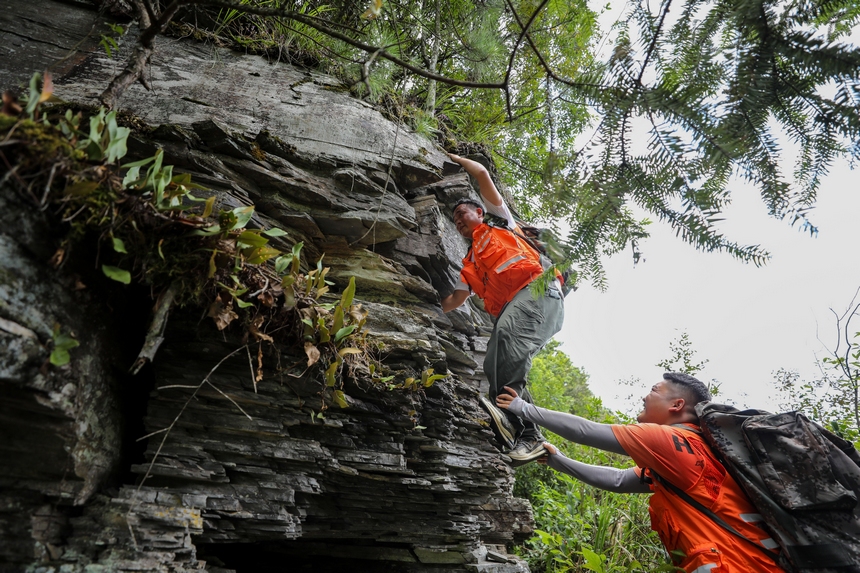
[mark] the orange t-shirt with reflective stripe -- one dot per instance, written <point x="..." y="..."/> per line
<point x="699" y="545"/>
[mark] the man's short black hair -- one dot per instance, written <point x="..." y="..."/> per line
<point x="468" y="201"/>
<point x="694" y="388"/>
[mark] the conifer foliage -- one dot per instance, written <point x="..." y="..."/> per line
<point x="688" y="96"/>
<point x="714" y="86"/>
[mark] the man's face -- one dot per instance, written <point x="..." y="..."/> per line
<point x="656" y="404"/>
<point x="466" y="218"/>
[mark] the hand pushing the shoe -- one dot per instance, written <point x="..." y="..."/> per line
<point x="503" y="400"/>
<point x="529" y="446"/>
<point x="550" y="449"/>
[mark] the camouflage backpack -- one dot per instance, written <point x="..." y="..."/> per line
<point x="803" y="479"/>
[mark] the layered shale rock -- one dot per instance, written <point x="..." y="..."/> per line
<point x="190" y="466"/>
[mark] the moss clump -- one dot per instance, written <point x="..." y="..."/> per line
<point x="43" y="144"/>
<point x="257" y="152"/>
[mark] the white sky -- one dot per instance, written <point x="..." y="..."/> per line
<point x="746" y="321"/>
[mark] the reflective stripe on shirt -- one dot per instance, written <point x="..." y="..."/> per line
<point x="508" y="263"/>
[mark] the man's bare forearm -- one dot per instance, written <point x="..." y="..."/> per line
<point x="482" y="176"/>
<point x="454" y="300"/>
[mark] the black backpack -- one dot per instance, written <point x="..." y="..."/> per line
<point x="803" y="479"/>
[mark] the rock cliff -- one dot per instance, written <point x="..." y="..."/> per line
<point x="189" y="465"/>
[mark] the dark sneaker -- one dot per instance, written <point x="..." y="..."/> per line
<point x="527" y="450"/>
<point x="499" y="422"/>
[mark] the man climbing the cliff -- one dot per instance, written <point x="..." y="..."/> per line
<point x="666" y="443"/>
<point x="499" y="268"/>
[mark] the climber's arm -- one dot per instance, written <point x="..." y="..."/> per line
<point x="485" y="183"/>
<point x="454" y="300"/>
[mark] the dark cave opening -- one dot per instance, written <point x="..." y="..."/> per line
<point x="316" y="557"/>
<point x="131" y="312"/>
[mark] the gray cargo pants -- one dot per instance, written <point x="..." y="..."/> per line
<point x="523" y="327"/>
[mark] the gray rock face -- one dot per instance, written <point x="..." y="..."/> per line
<point x="188" y="466"/>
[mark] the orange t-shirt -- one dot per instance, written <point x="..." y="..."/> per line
<point x="697" y="543"/>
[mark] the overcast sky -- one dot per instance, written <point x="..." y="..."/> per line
<point x="747" y="321"/>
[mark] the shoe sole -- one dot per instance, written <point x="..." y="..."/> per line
<point x="504" y="429"/>
<point x="517" y="461"/>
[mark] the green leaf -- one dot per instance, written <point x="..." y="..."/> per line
<point x="160" y="181"/>
<point x="289" y="297"/>
<point x="297" y="249"/>
<point x="141" y="163"/>
<point x="207" y="207"/>
<point x="274" y="232"/>
<point x="281" y="263"/>
<point x="119" y="246"/>
<point x="109" y="44"/>
<point x="96" y="128"/>
<point x="431" y="379"/>
<point x="330" y="374"/>
<point x="184" y="179"/>
<point x="66" y="342"/>
<point x="158" y="159"/>
<point x="593" y="561"/>
<point x="348" y="294"/>
<point x="117" y="145"/>
<point x="132" y="178"/>
<point x="340" y="399"/>
<point x="62" y="344"/>
<point x="426" y="374"/>
<point x="33" y="99"/>
<point x="325" y="335"/>
<point x="213" y="268"/>
<point x="94" y="151"/>
<point x="59" y="357"/>
<point x="337" y="322"/>
<point x="251" y="239"/>
<point x="343" y="332"/>
<point x="243" y="215"/>
<point x="117" y="274"/>
<point x="262" y="254"/>
<point x="241" y="303"/>
<point x="208" y="231"/>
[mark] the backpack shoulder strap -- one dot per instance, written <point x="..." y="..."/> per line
<point x="688" y="428"/>
<point x="498" y="223"/>
<point x="710" y="514"/>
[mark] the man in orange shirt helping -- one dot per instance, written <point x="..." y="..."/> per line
<point x="499" y="268"/>
<point x="666" y="447"/>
